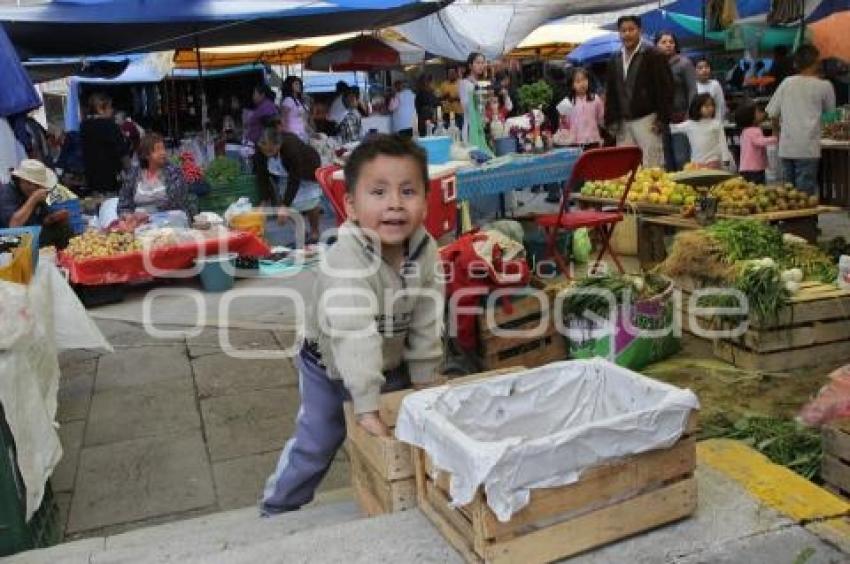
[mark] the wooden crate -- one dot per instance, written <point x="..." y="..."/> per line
<point x="835" y="467"/>
<point x="382" y="472"/>
<point x="814" y="329"/>
<point x="608" y="503"/>
<point x="526" y="313"/>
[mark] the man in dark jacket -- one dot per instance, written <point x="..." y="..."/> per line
<point x="639" y="93"/>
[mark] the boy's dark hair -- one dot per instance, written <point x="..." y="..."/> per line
<point x="806" y="56"/>
<point x="634" y="19"/>
<point x="694" y="113"/>
<point x="702" y="60"/>
<point x="745" y="115"/>
<point x="387" y="145"/>
<point x="341" y="87"/>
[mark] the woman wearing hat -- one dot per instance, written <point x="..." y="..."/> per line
<point x="24" y="201"/>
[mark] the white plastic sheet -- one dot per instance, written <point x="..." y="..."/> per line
<point x="540" y="428"/>
<point x="36" y="320"/>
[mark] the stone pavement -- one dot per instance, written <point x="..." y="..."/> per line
<point x="163" y="429"/>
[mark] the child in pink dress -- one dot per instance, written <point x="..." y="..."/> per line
<point x="754" y="143"/>
<point x="584" y="112"/>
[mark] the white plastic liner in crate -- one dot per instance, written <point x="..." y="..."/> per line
<point x="540" y="428"/>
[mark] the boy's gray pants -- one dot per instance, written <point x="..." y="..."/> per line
<point x="319" y="432"/>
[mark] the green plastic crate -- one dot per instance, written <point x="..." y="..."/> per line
<point x="16" y="534"/>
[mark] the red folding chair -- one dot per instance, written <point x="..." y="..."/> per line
<point x="334" y="190"/>
<point x="595" y="164"/>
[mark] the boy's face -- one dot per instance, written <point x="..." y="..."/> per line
<point x="389" y="199"/>
<point x="703" y="71"/>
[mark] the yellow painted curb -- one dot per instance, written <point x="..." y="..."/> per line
<point x="835" y="531"/>
<point x="774" y="485"/>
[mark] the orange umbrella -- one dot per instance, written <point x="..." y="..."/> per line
<point x="831" y="36"/>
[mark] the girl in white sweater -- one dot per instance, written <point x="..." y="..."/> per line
<point x="705" y="134"/>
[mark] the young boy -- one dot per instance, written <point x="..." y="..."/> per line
<point x="796" y="110"/>
<point x="708" y="85"/>
<point x="376" y="318"/>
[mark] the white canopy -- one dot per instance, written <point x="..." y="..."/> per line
<point x="495" y="27"/>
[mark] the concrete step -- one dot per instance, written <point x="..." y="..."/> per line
<point x="196" y="538"/>
<point x="401" y="537"/>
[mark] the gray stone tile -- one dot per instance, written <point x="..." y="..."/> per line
<point x="141" y="366"/>
<point x="159" y="408"/>
<point x="249" y="423"/>
<point x="286" y="339"/>
<point x="73" y="356"/>
<point x="338" y="476"/>
<point x="213" y="339"/>
<point x="239" y="482"/>
<point x="76" y="385"/>
<point x="71" y="436"/>
<point x="125" y="334"/>
<point x="221" y="374"/>
<point x="140" y="479"/>
<point x="63" y="502"/>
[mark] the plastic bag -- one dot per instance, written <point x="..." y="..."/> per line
<point x="108" y="212"/>
<point x="240" y="206"/>
<point x="582" y="246"/>
<point x="565" y="107"/>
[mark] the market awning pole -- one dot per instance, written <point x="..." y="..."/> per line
<point x="201" y="85"/>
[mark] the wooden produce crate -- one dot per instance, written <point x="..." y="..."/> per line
<point x="608" y="503"/>
<point x="382" y="473"/>
<point x="526" y="313"/>
<point x="813" y="329"/>
<point x="835" y="467"/>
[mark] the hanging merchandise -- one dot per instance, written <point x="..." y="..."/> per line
<point x="713" y="15"/>
<point x="784" y="12"/>
<point x="729" y="13"/>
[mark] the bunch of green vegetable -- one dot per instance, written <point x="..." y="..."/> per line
<point x="535" y="95"/>
<point x="744" y="239"/>
<point x="782" y="441"/>
<point x="766" y="287"/>
<point x="222" y="171"/>
<point x="815" y="264"/>
<point x="593" y="293"/>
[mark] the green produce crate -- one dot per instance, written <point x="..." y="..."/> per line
<point x="222" y="195"/>
<point x="16" y="534"/>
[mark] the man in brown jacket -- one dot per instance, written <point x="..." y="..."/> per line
<point x="639" y="93"/>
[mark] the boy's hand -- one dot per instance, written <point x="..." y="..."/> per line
<point x="372" y="423"/>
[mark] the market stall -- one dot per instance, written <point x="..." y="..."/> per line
<point x="174" y="252"/>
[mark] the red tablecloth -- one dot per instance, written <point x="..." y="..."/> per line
<point x="135" y="266"/>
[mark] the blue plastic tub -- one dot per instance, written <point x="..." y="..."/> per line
<point x="75" y="214"/>
<point x="217" y="272"/>
<point x="438" y="149"/>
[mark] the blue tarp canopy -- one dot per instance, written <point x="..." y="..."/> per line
<point x="92" y="27"/>
<point x="657" y="20"/>
<point x="17" y="94"/>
